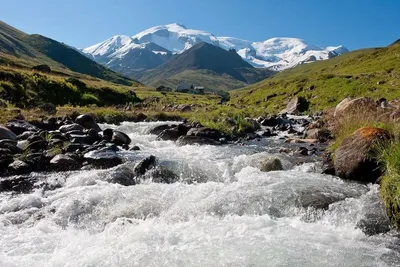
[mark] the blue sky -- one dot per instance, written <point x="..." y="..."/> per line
<point x="80" y="23"/>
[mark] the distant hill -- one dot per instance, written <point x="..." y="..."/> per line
<point x="19" y="48"/>
<point x="205" y="65"/>
<point x="371" y="72"/>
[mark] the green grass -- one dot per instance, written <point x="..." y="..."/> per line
<point x="389" y="158"/>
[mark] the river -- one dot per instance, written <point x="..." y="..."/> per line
<point x="223" y="213"/>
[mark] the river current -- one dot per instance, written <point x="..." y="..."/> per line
<point x="223" y="212"/>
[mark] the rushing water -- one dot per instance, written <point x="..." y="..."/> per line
<point x="223" y="213"/>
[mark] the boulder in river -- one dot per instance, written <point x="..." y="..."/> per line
<point x="122" y="175"/>
<point x="169" y="134"/>
<point x="88" y="122"/>
<point x="19" y="167"/>
<point x="72" y="128"/>
<point x="6" y="134"/>
<point x="205" y="132"/>
<point x="144" y="165"/>
<point x="190" y="140"/>
<point x="63" y="162"/>
<point x="160" y="174"/>
<point x="354" y="157"/>
<point x="103" y="158"/>
<point x="22" y="184"/>
<point x="20" y="126"/>
<point x="158" y="129"/>
<point x="269" y="164"/>
<point x="120" y="138"/>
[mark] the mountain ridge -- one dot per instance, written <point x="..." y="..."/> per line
<point x="275" y="53"/>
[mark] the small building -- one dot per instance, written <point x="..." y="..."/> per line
<point x="199" y="90"/>
<point x="184" y="88"/>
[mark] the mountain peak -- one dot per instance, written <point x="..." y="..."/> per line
<point x="176" y="24"/>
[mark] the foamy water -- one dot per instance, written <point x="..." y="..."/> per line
<point x="223" y="213"/>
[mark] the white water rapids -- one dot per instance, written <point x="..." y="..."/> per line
<point x="228" y="214"/>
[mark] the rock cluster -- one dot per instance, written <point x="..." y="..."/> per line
<point x="58" y="144"/>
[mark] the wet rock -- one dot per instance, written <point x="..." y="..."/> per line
<point x="25" y="135"/>
<point x="269" y="164"/>
<point x="19" y="167"/>
<point x="8" y="144"/>
<point x="103" y="158"/>
<point x="73" y="147"/>
<point x="88" y="122"/>
<point x="120" y="138"/>
<point x="353" y="158"/>
<point x="71" y="127"/>
<point x="6" y="134"/>
<point x="81" y="139"/>
<point x="317" y="200"/>
<point x="296" y="105"/>
<point x="162" y="175"/>
<point x="268" y="133"/>
<point x="37" y="161"/>
<point x="107" y="134"/>
<point x="20" y="126"/>
<point x="360" y="105"/>
<point x="23" y="145"/>
<point x="205" y="132"/>
<point x="158" y="129"/>
<point x="302" y="151"/>
<point x="169" y="134"/>
<point x="144" y="165"/>
<point x="122" y="175"/>
<point x="5" y="160"/>
<point x="22" y="184"/>
<point x="134" y="148"/>
<point x="63" y="162"/>
<point x="190" y="140"/>
<point x="37" y="145"/>
<point x="270" y="121"/>
<point x="93" y="134"/>
<point x="374" y="224"/>
<point x="253" y="125"/>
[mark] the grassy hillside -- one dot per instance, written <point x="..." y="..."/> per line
<point x="367" y="72"/>
<point x="26" y="88"/>
<point x="20" y="49"/>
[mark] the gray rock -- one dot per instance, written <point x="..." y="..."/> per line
<point x="190" y="140"/>
<point x="162" y="175"/>
<point x="20" y="126"/>
<point x="296" y="105"/>
<point x="87" y="121"/>
<point x="134" y="148"/>
<point x="169" y="134"/>
<point x="71" y="127"/>
<point x="270" y="164"/>
<point x="25" y="135"/>
<point x="22" y="184"/>
<point x="205" y="132"/>
<point x="120" y="138"/>
<point x="6" y="134"/>
<point x="63" y="162"/>
<point x="103" y="158"/>
<point x="158" y="129"/>
<point x="19" y="167"/>
<point x="122" y="175"/>
<point x="144" y="165"/>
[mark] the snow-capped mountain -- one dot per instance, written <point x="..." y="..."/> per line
<point x="163" y="41"/>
